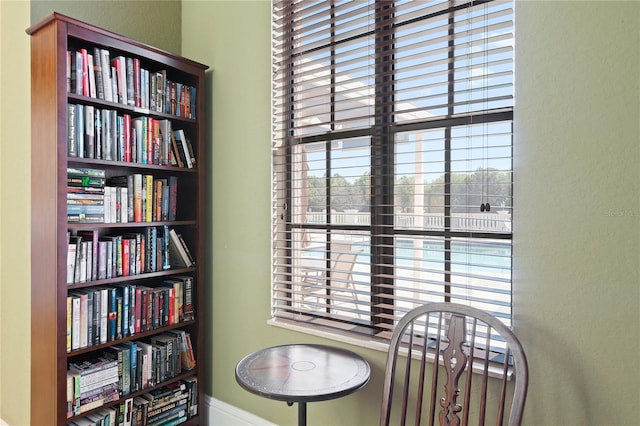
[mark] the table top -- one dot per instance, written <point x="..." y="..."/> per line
<point x="302" y="372"/>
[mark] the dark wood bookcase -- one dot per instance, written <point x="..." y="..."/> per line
<point x="51" y="39"/>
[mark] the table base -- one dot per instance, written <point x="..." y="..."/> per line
<point x="302" y="412"/>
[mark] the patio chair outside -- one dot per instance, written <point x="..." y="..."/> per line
<point x="340" y="279"/>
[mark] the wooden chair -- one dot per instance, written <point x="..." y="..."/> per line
<point x="462" y="339"/>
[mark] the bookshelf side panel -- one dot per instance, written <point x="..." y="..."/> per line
<point x="45" y="227"/>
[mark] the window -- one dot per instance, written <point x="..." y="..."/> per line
<point x="392" y="159"/>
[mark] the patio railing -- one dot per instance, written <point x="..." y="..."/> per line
<point x="499" y="221"/>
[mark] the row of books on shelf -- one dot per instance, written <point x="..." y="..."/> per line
<point x="91" y="385"/>
<point x="98" y="74"/>
<point x="91" y="256"/>
<point x="105" y="134"/>
<point x="137" y="197"/>
<point x="98" y="315"/>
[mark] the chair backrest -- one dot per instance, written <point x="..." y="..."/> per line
<point x="341" y="270"/>
<point x="338" y="248"/>
<point x="463" y="339"/>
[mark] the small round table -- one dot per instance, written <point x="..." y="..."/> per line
<point x="302" y="373"/>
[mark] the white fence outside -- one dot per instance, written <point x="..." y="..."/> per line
<point x="499" y="221"/>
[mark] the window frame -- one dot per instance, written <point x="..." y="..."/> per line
<point x="381" y="229"/>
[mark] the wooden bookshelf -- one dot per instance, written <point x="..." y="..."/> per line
<point x="51" y="39"/>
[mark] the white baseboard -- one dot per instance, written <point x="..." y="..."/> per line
<point x="3" y="423"/>
<point x="220" y="413"/>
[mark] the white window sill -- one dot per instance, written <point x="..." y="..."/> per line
<point x="343" y="337"/>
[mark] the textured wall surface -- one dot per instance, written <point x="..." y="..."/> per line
<point x="15" y="183"/>
<point x="577" y="232"/>
<point x="155" y="22"/>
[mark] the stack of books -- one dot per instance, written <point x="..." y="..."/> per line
<point x="168" y="405"/>
<point x="85" y="195"/>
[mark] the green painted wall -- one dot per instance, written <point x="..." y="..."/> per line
<point x="15" y="184"/>
<point x="155" y="22"/>
<point x="577" y="189"/>
<point x="577" y="235"/>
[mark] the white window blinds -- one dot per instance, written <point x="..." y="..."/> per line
<point x="392" y="159"/>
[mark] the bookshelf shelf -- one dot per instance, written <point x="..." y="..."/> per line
<point x="73" y="98"/>
<point x="122" y="165"/>
<point x="72" y="226"/>
<point x="101" y="245"/>
<point x="131" y="278"/>
<point x="142" y="335"/>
